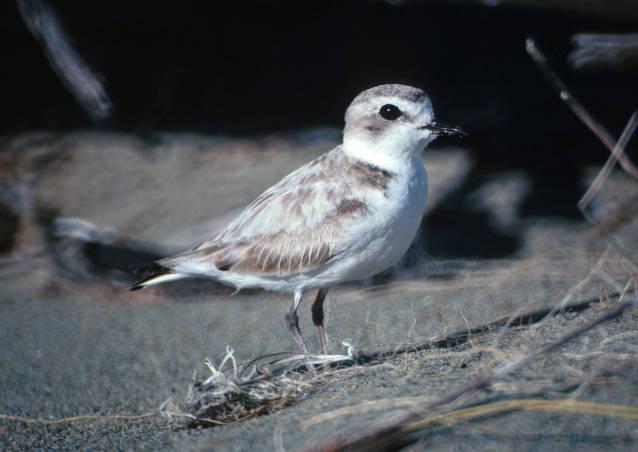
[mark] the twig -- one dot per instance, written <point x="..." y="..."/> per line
<point x="579" y="110"/>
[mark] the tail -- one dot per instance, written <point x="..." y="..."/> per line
<point x="156" y="274"/>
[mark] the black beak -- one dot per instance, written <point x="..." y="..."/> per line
<point x="442" y="129"/>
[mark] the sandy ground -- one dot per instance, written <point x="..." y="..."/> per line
<point x="75" y="342"/>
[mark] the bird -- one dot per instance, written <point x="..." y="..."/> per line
<point x="347" y="215"/>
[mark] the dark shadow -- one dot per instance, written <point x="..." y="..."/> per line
<point x="8" y="228"/>
<point x="454" y="233"/>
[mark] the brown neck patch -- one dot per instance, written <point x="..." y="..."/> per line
<point x="371" y="176"/>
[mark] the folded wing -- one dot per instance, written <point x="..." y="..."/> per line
<point x="295" y="226"/>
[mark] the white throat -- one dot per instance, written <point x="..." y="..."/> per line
<point x="391" y="152"/>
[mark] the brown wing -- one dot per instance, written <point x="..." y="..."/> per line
<point x="283" y="253"/>
<point x="296" y="225"/>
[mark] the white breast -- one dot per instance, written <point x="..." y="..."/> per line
<point x="406" y="216"/>
<point x="384" y="239"/>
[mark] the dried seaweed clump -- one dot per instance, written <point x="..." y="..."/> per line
<point x="233" y="393"/>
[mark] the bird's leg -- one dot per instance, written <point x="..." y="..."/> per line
<point x="292" y="321"/>
<point x="317" y="319"/>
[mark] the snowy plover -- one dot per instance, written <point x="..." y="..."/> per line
<point x="347" y="215"/>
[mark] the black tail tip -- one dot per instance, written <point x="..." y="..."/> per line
<point x="136" y="287"/>
<point x="149" y="269"/>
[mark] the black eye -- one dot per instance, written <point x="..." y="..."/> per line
<point x="390" y="112"/>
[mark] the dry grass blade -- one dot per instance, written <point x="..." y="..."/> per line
<point x="236" y="392"/>
<point x="577" y="107"/>
<point x="566" y="405"/>
<point x="615" y="155"/>
<point x="462" y="336"/>
<point x="393" y="432"/>
<point x="377" y="404"/>
<point x="84" y="417"/>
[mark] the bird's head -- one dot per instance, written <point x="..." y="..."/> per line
<point x="393" y="122"/>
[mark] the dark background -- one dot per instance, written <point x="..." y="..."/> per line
<point x="265" y="66"/>
<point x="251" y="68"/>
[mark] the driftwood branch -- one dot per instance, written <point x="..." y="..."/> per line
<point x="67" y="63"/>
<point x="609" y="51"/>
